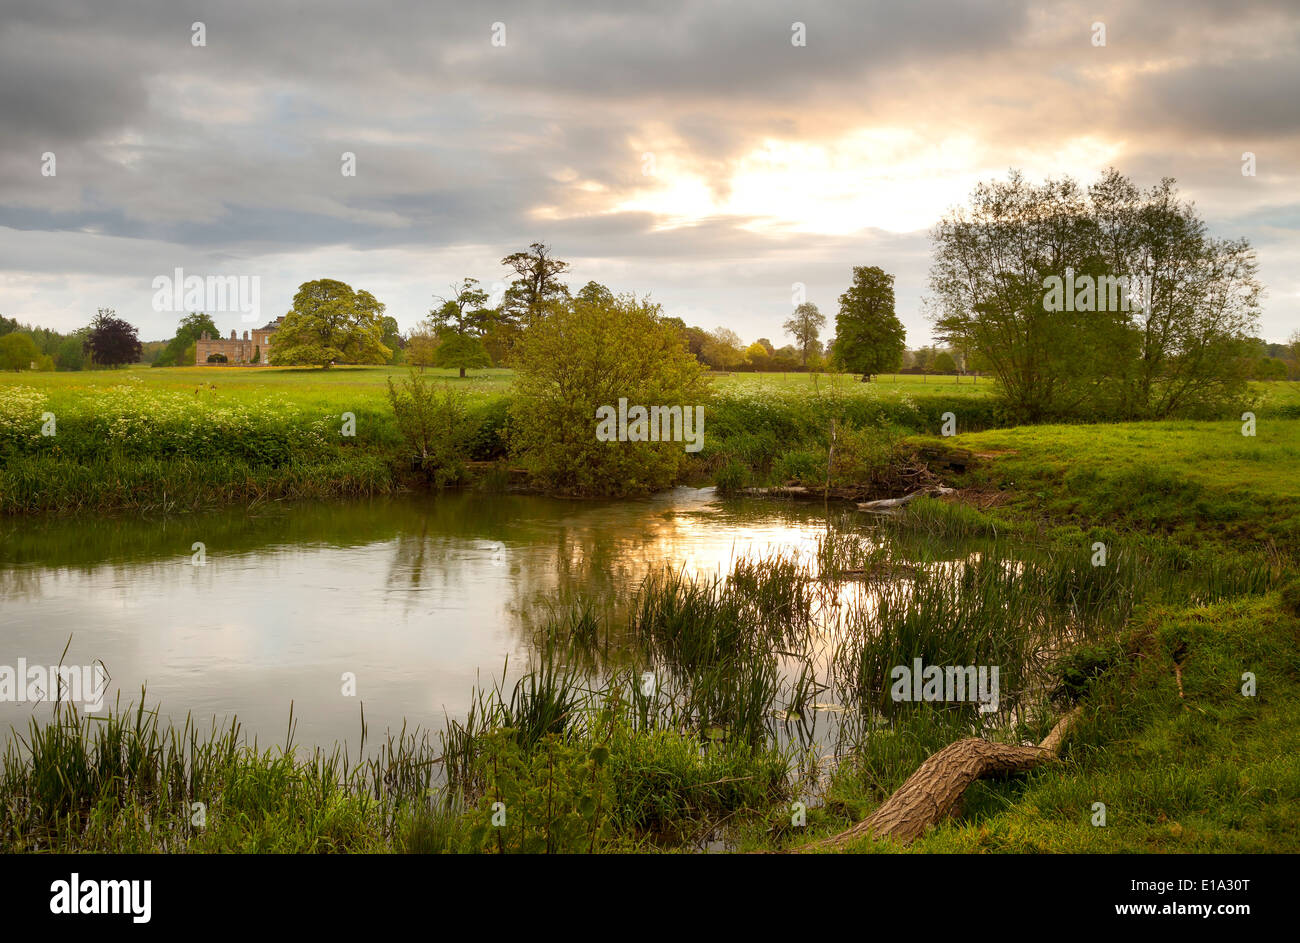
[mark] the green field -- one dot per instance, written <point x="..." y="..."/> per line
<point x="186" y="437"/>
<point x="308" y="383"/>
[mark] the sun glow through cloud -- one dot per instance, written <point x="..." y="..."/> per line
<point x="888" y="179"/>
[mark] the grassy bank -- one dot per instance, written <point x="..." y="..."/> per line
<point x="1199" y="483"/>
<point x="192" y="437"/>
<point x="150" y="439"/>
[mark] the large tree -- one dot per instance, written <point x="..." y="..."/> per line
<point x="536" y="286"/>
<point x="805" y="326"/>
<point x="1193" y="332"/>
<point x="459" y="323"/>
<point x="422" y="346"/>
<point x="390" y="335"/>
<point x="1178" y="347"/>
<point x="869" y="338"/>
<point x="464" y="311"/>
<point x="722" y="349"/>
<point x="111" y="341"/>
<point x="330" y="322"/>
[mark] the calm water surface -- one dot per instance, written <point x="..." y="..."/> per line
<point x="421" y="598"/>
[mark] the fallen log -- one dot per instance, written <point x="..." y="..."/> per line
<point x="889" y="505"/>
<point x="931" y="793"/>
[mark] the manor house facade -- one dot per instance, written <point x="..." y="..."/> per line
<point x="248" y="350"/>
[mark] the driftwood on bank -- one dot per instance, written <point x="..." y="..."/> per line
<point x="890" y="505"/>
<point x="931" y="793"/>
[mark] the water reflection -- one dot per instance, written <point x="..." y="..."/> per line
<point x="420" y="598"/>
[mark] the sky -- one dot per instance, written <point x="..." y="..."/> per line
<point x="696" y="152"/>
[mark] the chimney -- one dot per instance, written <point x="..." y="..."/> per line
<point x="232" y="334"/>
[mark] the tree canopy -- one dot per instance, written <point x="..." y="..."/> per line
<point x="805" y="326"/>
<point x="191" y="327"/>
<point x="111" y="341"/>
<point x="580" y="357"/>
<point x="330" y="322"/>
<point x="17" y="352"/>
<point x="1177" y="344"/>
<point x="869" y="338"/>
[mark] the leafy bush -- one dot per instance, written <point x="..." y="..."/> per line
<point x="578" y="359"/>
<point x="490" y="438"/>
<point x="802" y="466"/>
<point x="436" y="425"/>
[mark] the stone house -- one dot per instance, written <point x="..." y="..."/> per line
<point x="237" y="349"/>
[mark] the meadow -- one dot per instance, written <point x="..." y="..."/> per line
<point x="176" y="438"/>
<point x="189" y="437"/>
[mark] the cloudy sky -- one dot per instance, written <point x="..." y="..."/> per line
<point x="692" y="151"/>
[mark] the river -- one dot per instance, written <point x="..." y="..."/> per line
<point x="243" y="612"/>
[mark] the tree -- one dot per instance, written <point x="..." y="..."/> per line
<point x="758" y="356"/>
<point x="330" y="322"/>
<point x="464" y="312"/>
<point x="1174" y="341"/>
<point x="805" y="326"/>
<point x="71" y="352"/>
<point x="111" y="341"/>
<point x="596" y="293"/>
<point x="923" y="358"/>
<point x="1192" y="330"/>
<point x="1269" y="368"/>
<point x="461" y="351"/>
<point x="536" y="286"/>
<point x="944" y="362"/>
<point x="696" y="339"/>
<point x="869" y="338"/>
<point x="723" y="349"/>
<point x="390" y="335"/>
<point x="580" y="358"/>
<point x="17" y="352"/>
<point x="786" y="360"/>
<point x="459" y="324"/>
<point x="422" y="346"/>
<point x="191" y="327"/>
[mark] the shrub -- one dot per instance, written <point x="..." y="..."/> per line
<point x="734" y="476"/>
<point x="802" y="466"/>
<point x="436" y="426"/>
<point x="578" y="359"/>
